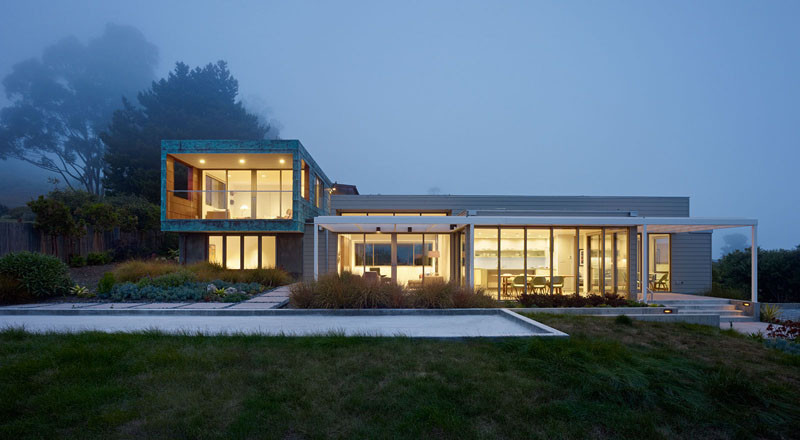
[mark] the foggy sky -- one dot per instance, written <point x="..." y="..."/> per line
<point x="694" y="99"/>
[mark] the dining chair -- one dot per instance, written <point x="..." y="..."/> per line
<point x="558" y="284"/>
<point x="518" y="284"/>
<point x="539" y="284"/>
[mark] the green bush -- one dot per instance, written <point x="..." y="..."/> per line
<point x="266" y="277"/>
<point x="98" y="258"/>
<point x="77" y="261"/>
<point x="174" y="279"/>
<point x="560" y="300"/>
<point x="106" y="283"/>
<point x="36" y="275"/>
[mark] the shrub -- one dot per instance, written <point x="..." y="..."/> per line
<point x="34" y="274"/>
<point x="173" y="279"/>
<point x="98" y="258"/>
<point x="770" y="312"/>
<point x="106" y="283"/>
<point x="272" y="277"/>
<point x="559" y="300"/>
<point x="788" y="329"/>
<point x="192" y="291"/>
<point x="135" y="270"/>
<point x="346" y="290"/>
<point x="77" y="261"/>
<point x="623" y="320"/>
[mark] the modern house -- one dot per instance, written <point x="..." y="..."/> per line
<point x="250" y="204"/>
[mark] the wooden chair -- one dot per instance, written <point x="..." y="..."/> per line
<point x="539" y="284"/>
<point x="558" y="284"/>
<point x="662" y="283"/>
<point x="518" y="284"/>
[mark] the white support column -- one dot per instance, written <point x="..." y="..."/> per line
<point x="471" y="257"/>
<point x="754" y="266"/>
<point x="645" y="277"/>
<point x="316" y="250"/>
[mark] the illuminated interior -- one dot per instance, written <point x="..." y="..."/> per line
<point x="659" y="267"/>
<point x="242" y="251"/>
<point x="419" y="258"/>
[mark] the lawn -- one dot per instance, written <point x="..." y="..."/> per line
<point x="609" y="380"/>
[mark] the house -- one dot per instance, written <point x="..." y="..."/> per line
<point x="250" y="204"/>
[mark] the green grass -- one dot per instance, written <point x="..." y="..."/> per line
<point x="609" y="380"/>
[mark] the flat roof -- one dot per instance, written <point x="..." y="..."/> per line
<point x="446" y="224"/>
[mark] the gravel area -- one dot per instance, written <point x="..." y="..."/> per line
<point x="89" y="276"/>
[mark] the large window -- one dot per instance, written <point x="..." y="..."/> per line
<point x="182" y="175"/>
<point x="247" y="194"/>
<point x="419" y="257"/>
<point x="318" y="193"/>
<point x="242" y="251"/>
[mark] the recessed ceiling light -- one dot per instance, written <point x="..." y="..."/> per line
<point x="241" y="160"/>
<point x="282" y="161"/>
<point x="202" y="161"/>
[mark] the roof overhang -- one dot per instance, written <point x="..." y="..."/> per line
<point x="446" y="224"/>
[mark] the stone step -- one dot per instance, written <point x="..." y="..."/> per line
<point x="741" y="318"/>
<point x="706" y="307"/>
<point x="694" y="302"/>
<point x="714" y="311"/>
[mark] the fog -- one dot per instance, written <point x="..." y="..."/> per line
<point x="580" y="98"/>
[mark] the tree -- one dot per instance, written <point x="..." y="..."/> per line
<point x="61" y="102"/>
<point x="199" y="103"/>
<point x="103" y="217"/>
<point x="54" y="219"/>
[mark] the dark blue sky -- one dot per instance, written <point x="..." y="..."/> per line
<point x="692" y="99"/>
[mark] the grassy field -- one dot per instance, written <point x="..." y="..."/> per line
<point x="609" y="380"/>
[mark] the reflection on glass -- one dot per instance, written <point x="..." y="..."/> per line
<point x="538" y="259"/>
<point x="658" y="262"/>
<point x="589" y="261"/>
<point x="233" y="257"/>
<point x="608" y="262"/>
<point x="622" y="262"/>
<point x="239" y="194"/>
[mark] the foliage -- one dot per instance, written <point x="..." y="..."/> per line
<point x="135" y="213"/>
<point x="37" y="275"/>
<point x="623" y="320"/>
<point x="53" y="217"/>
<point x="81" y="291"/>
<point x="199" y="103"/>
<point x="61" y="102"/>
<point x="784" y="329"/>
<point x="20" y="213"/>
<point x="559" y="300"/>
<point x="106" y="283"/>
<point x="77" y="261"/>
<point x="350" y="291"/>
<point x="98" y="258"/>
<point x="770" y="312"/>
<point x="147" y="271"/>
<point x="166" y="290"/>
<point x="102" y="216"/>
<point x="778" y="274"/>
<point x="172" y="279"/>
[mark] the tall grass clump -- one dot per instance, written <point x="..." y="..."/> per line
<point x="136" y="271"/>
<point x="349" y="291"/>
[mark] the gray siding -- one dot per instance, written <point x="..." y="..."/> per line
<point x="691" y="262"/>
<point x="549" y="205"/>
<point x="308" y="252"/>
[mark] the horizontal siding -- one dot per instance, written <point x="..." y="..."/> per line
<point x="308" y="252"/>
<point x="565" y="205"/>
<point x="691" y="262"/>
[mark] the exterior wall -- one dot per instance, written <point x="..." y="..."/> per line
<point x="326" y="239"/>
<point x="192" y="248"/>
<point x="178" y="207"/>
<point x="547" y="205"/>
<point x="691" y="262"/>
<point x="289" y="253"/>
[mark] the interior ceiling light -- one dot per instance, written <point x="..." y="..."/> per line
<point x="282" y="161"/>
<point x="202" y="161"/>
<point x="241" y="160"/>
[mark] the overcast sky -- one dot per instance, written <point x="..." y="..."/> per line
<point x="691" y="98"/>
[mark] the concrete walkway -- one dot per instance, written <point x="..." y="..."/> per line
<point x="273" y="299"/>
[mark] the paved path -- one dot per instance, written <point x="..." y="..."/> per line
<point x="746" y="327"/>
<point x="273" y="299"/>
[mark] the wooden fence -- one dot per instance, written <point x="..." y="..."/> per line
<point x="22" y="236"/>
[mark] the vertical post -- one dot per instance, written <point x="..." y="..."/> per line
<point x="754" y="266"/>
<point x="525" y="257"/>
<point x="602" y="253"/>
<point x="499" y="278"/>
<point x="394" y="257"/>
<point x="552" y="246"/>
<point x="471" y="256"/>
<point x="645" y="277"/>
<point x="316" y="250"/>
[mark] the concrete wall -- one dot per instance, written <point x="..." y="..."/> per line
<point x="549" y="205"/>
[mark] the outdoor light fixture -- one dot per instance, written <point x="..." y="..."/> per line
<point x="452" y="227"/>
<point x="409" y="229"/>
<point x="202" y="161"/>
<point x="378" y="229"/>
<point x="667" y="311"/>
<point x="746" y="304"/>
<point x="241" y="160"/>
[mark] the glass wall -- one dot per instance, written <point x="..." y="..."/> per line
<point x="538" y="259"/>
<point x="659" y="262"/>
<point x="512" y="261"/>
<point x="233" y="252"/>
<point x="622" y="250"/>
<point x="564" y="261"/>
<point x="247" y="194"/>
<point x="236" y="247"/>
<point x="419" y="257"/>
<point x="486" y="255"/>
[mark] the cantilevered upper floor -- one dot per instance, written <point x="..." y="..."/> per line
<point x="228" y="185"/>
